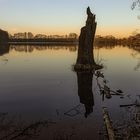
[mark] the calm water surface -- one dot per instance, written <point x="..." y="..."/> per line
<point x="37" y="84"/>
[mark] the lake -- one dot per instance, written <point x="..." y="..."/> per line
<point x="41" y="97"/>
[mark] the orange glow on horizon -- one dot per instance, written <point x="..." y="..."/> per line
<point x="117" y="31"/>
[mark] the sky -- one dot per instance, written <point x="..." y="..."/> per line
<point x="114" y="17"/>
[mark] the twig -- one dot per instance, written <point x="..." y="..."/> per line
<point x="127" y="105"/>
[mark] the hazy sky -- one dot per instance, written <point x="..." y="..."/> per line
<point x="64" y="16"/>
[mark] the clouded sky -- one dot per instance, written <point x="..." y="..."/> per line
<point x="64" y="16"/>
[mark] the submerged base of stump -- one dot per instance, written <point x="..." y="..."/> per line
<point x="86" y="67"/>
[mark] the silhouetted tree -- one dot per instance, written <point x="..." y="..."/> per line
<point x="135" y="3"/>
<point x="4" y="37"/>
<point x="85" y="51"/>
<point x="85" y="58"/>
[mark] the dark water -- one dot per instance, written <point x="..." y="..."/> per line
<point x="37" y="84"/>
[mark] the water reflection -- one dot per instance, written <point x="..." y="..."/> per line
<point x="4" y="49"/>
<point x="31" y="48"/>
<point x="135" y="54"/>
<point x="84" y="80"/>
<point x="42" y="82"/>
<point x="12" y="128"/>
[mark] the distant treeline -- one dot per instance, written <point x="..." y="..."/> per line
<point x="111" y="40"/>
<point x="99" y="40"/>
<point x="29" y="35"/>
<point x="133" y="40"/>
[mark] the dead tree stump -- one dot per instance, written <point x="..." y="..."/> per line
<point x="85" y="59"/>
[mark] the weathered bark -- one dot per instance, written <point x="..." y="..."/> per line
<point x="85" y="58"/>
<point x="84" y="80"/>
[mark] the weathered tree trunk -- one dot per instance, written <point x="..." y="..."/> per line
<point x="85" y="58"/>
